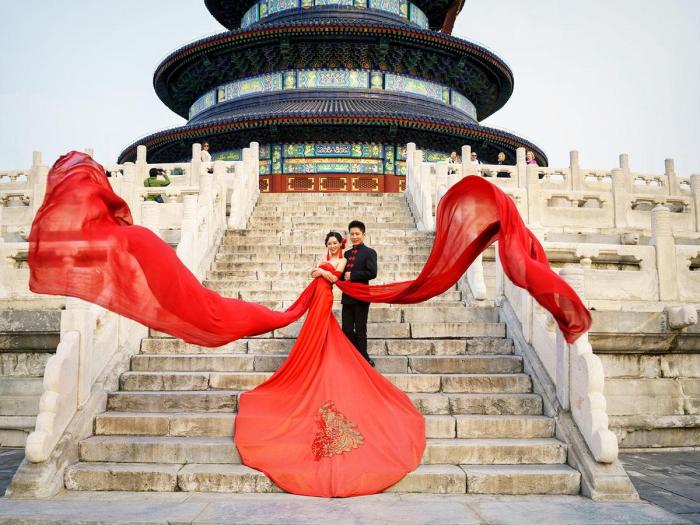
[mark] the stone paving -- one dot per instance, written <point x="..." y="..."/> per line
<point x="266" y="509"/>
<point x="668" y="479"/>
<point x="10" y="458"/>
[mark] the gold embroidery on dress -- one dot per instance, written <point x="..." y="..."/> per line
<point x="337" y="433"/>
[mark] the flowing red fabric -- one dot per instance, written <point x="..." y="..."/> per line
<point x="470" y="217"/>
<point x="326" y="423"/>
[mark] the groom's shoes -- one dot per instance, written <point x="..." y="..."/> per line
<point x="371" y="362"/>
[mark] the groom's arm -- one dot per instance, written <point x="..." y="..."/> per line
<point x="370" y="271"/>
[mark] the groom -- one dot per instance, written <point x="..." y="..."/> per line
<point x="361" y="268"/>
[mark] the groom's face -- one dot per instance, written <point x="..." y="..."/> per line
<point x="356" y="236"/>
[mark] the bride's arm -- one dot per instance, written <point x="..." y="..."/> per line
<point x="316" y="271"/>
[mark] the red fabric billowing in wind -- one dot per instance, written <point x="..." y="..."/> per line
<point x="470" y="217"/>
<point x="326" y="423"/>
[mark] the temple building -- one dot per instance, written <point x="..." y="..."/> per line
<point x="333" y="90"/>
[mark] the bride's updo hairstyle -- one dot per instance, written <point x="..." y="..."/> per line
<point x="333" y="234"/>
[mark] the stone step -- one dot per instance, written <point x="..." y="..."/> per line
<point x="221" y="363"/>
<point x="376" y="347"/>
<point x="414" y="382"/>
<point x="198" y="424"/>
<point x="314" y="250"/>
<point x="317" y="235"/>
<point x="24" y="365"/>
<point x="21" y="386"/>
<point x="19" y="405"/>
<point x="292" y="295"/>
<point x="307" y="260"/>
<point x="282" y="269"/>
<point x="226" y="401"/>
<point x="275" y="225"/>
<point x="297" y="276"/>
<point x="316" y="243"/>
<point x="291" y="284"/>
<point x="436" y="479"/>
<point x="15" y="429"/>
<point x="29" y="330"/>
<point x="167" y="449"/>
<point x="214" y="425"/>
<point x="512" y="426"/>
<point x="522" y="479"/>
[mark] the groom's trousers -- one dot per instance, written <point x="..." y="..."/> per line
<point x="355" y="326"/>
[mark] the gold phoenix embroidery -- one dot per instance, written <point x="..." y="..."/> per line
<point x="336" y="435"/>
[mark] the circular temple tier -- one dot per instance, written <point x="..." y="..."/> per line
<point x="333" y="86"/>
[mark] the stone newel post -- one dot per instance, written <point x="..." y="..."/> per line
<point x="662" y="238"/>
<point x="575" y="169"/>
<point x="695" y="188"/>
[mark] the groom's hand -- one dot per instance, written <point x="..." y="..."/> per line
<point x="347" y="276"/>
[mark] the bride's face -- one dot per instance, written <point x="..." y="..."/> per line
<point x="333" y="246"/>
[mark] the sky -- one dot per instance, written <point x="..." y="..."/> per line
<point x="601" y="76"/>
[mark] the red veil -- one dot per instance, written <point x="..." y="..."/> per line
<point x="325" y="424"/>
<point x="83" y="243"/>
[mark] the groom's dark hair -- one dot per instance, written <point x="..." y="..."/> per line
<point x="359" y="225"/>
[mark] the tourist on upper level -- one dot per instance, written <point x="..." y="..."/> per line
<point x="501" y="161"/>
<point x="530" y="158"/>
<point x="452" y="161"/>
<point x="154" y="182"/>
<point x="475" y="158"/>
<point x="206" y="156"/>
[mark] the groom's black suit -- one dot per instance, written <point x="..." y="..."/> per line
<point x="362" y="265"/>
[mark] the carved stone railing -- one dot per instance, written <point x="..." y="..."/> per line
<point x="571" y="199"/>
<point x="95" y="345"/>
<point x="574" y="370"/>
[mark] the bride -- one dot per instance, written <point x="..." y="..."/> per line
<point x="326" y="423"/>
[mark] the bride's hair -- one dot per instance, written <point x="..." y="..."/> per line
<point x="333" y="234"/>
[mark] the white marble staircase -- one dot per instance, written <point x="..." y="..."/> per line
<point x="170" y="426"/>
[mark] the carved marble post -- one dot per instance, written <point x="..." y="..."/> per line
<point x="671" y="177"/>
<point x="665" y="244"/>
<point x="521" y="164"/>
<point x="695" y="186"/>
<point x="467" y="166"/>
<point x="575" y="171"/>
<point x="196" y="164"/>
<point x="533" y="197"/>
<point x="586" y="380"/>
<point x="410" y="167"/>
<point x="621" y="199"/>
<point x="141" y="165"/>
<point x="150" y="216"/>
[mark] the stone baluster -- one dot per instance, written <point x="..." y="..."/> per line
<point x="576" y="183"/>
<point x="695" y="188"/>
<point x="150" y="216"/>
<point x="534" y="196"/>
<point x="674" y="187"/>
<point x="255" y="172"/>
<point x="196" y="164"/>
<point x="521" y="165"/>
<point x="36" y="159"/>
<point x="581" y="373"/>
<point x="90" y="152"/>
<point x="410" y="169"/>
<point x="467" y="166"/>
<point x="621" y="198"/>
<point x="39" y="175"/>
<point x="141" y="164"/>
<point x="665" y="244"/>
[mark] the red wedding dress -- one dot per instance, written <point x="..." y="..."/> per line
<point x="326" y="423"/>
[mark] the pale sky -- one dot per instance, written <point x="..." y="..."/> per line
<point x="600" y="76"/>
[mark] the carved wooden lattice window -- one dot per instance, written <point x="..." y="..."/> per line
<point x="365" y="184"/>
<point x="264" y="185"/>
<point x="333" y="184"/>
<point x="300" y="184"/>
